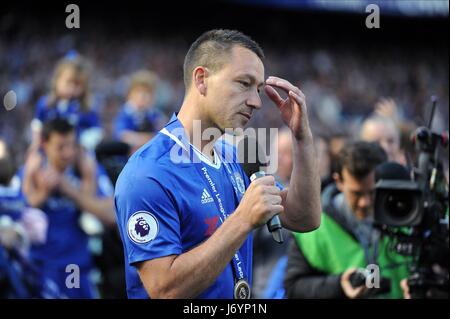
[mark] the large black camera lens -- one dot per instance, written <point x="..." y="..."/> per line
<point x="400" y="204"/>
<point x="397" y="203"/>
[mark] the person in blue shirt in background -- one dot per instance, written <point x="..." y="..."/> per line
<point x="20" y="226"/>
<point x="269" y="256"/>
<point x="53" y="183"/>
<point x="185" y="212"/>
<point x="139" y="120"/>
<point x="70" y="99"/>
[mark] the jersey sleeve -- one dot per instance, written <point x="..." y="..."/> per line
<point x="147" y="218"/>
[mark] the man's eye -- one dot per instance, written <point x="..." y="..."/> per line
<point x="244" y="84"/>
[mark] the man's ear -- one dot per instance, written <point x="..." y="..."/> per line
<point x="338" y="180"/>
<point x="200" y="75"/>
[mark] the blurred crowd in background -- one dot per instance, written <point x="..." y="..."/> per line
<point x="342" y="84"/>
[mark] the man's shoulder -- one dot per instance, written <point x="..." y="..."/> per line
<point x="151" y="161"/>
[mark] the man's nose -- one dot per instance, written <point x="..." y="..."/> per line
<point x="254" y="100"/>
<point x="365" y="201"/>
<point x="67" y="153"/>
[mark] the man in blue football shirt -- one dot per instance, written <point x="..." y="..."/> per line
<point x="186" y="213"/>
<point x="53" y="183"/>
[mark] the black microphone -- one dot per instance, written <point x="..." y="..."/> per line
<point x="274" y="224"/>
<point x="253" y="170"/>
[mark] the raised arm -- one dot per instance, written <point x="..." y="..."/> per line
<point x="301" y="201"/>
<point x="38" y="183"/>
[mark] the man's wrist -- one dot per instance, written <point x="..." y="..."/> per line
<point x="306" y="144"/>
<point x="306" y="138"/>
<point x="244" y="225"/>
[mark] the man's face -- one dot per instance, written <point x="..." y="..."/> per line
<point x="323" y="157"/>
<point x="285" y="161"/>
<point x="384" y="134"/>
<point x="359" y="193"/>
<point x="60" y="150"/>
<point x="69" y="84"/>
<point x="141" y="97"/>
<point x="233" y="91"/>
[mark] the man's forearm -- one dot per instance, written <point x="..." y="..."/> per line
<point x="101" y="208"/>
<point x="35" y="196"/>
<point x="194" y="271"/>
<point x="303" y="209"/>
<point x="36" y="199"/>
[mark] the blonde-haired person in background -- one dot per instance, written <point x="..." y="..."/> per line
<point x="69" y="99"/>
<point x="139" y="120"/>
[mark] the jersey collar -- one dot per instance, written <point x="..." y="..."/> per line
<point x="175" y="131"/>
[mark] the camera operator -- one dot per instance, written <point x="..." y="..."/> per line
<point x="412" y="209"/>
<point x="321" y="263"/>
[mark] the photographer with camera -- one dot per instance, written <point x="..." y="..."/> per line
<point x="324" y="263"/>
<point x="412" y="209"/>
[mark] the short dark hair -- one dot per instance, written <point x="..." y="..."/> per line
<point x="360" y="158"/>
<point x="211" y="47"/>
<point x="57" y="125"/>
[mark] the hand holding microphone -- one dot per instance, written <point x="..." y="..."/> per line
<point x="270" y="194"/>
<point x="262" y="203"/>
<point x="274" y="224"/>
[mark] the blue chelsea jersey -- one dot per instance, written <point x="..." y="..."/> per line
<point x="66" y="242"/>
<point x="68" y="110"/>
<point x="165" y="207"/>
<point x="128" y="119"/>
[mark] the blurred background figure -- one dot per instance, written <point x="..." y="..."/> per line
<point x="20" y="227"/>
<point x="70" y="99"/>
<point x="269" y="257"/>
<point x="321" y="263"/>
<point x="283" y="175"/>
<point x="322" y="147"/>
<point x="54" y="184"/>
<point x="139" y="119"/>
<point x="20" y="224"/>
<point x="384" y="131"/>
